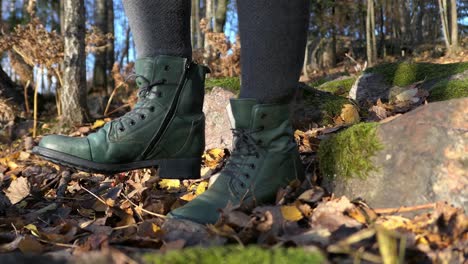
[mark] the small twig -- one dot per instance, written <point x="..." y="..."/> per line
<point x="94" y="195"/>
<point x="404" y="209"/>
<point x="26" y="101"/>
<point x="56" y="243"/>
<point x="110" y="99"/>
<point x="117" y="109"/>
<point x="125" y="226"/>
<point x="14" y="227"/>
<point x="142" y="209"/>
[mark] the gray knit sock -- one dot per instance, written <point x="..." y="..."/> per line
<point x="273" y="38"/>
<point x="160" y="27"/>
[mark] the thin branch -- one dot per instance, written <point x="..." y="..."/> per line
<point x="404" y="209"/>
<point x="142" y="209"/>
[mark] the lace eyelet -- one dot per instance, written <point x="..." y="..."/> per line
<point x="132" y="123"/>
<point x="121" y="129"/>
<point x="242" y="185"/>
<point x="143" y="117"/>
<point x="152" y="108"/>
<point x="252" y="166"/>
<point x="247" y="175"/>
<point x="166" y="67"/>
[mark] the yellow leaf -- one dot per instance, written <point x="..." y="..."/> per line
<point x="213" y="157"/>
<point x="201" y="187"/>
<point x="12" y="165"/>
<point x="155" y="227"/>
<point x="291" y="213"/>
<point x="98" y="123"/>
<point x="33" y="230"/>
<point x="349" y="114"/>
<point x="169" y="184"/>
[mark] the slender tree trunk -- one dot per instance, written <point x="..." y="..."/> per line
<point x="193" y="24"/>
<point x="111" y="48"/>
<point x="220" y="16"/>
<point x="209" y="28"/>
<point x="199" y="43"/>
<point x="454" y="25"/>
<point x="444" y="21"/>
<point x="370" y="34"/>
<point x="126" y="46"/>
<point x="100" y="63"/>
<point x="73" y="94"/>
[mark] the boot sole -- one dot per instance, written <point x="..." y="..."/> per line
<point x="188" y="168"/>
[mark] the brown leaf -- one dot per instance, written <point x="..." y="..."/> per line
<point x="18" y="190"/>
<point x="331" y="215"/>
<point x="30" y="245"/>
<point x="312" y="195"/>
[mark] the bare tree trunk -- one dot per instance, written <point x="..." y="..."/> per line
<point x="199" y="38"/>
<point x="100" y="63"/>
<point x="73" y="95"/>
<point x="454" y="25"/>
<point x="444" y="21"/>
<point x="220" y="16"/>
<point x="193" y="24"/>
<point x="126" y="46"/>
<point x="370" y="34"/>
<point x="111" y="47"/>
<point x="209" y="28"/>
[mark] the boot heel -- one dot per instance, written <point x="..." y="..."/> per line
<point x="180" y="168"/>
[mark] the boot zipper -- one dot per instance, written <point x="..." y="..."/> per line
<point x="170" y="113"/>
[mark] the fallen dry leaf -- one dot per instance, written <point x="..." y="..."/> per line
<point x="18" y="190"/>
<point x="291" y="213"/>
<point x="98" y="123"/>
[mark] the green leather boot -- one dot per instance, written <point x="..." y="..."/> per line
<point x="166" y="128"/>
<point x="265" y="158"/>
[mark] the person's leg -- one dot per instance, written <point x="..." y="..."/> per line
<point x="166" y="127"/>
<point x="160" y="27"/>
<point x="265" y="156"/>
<point x="273" y="38"/>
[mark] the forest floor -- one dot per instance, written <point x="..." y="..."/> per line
<point x="53" y="214"/>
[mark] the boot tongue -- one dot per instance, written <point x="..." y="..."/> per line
<point x="161" y="67"/>
<point x="242" y="112"/>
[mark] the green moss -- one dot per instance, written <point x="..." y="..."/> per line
<point x="338" y="87"/>
<point x="406" y="73"/>
<point x="230" y="83"/>
<point x="329" y="105"/>
<point x="235" y="255"/>
<point x="348" y="154"/>
<point x="446" y="90"/>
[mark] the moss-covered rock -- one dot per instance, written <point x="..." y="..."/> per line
<point x="338" y="87"/>
<point x="406" y="73"/>
<point x="326" y="105"/>
<point x="449" y="89"/>
<point x="230" y="83"/>
<point x="235" y="255"/>
<point x="348" y="153"/>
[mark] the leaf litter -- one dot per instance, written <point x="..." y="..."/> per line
<point x="48" y="208"/>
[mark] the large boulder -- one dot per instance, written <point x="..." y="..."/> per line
<point x="420" y="157"/>
<point x="217" y="125"/>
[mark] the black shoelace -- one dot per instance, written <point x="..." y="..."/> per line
<point x="245" y="145"/>
<point x="143" y="93"/>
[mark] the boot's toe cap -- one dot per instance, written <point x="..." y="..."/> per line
<point x="204" y="209"/>
<point x="78" y="147"/>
